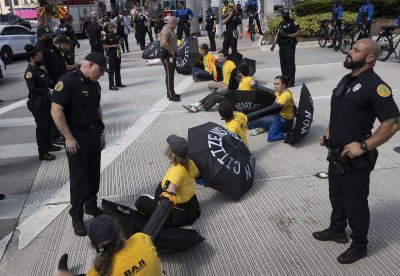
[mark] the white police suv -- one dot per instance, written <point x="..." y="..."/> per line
<point x="13" y="39"/>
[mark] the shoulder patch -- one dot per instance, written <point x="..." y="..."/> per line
<point x="28" y="75"/>
<point x="383" y="90"/>
<point x="59" y="86"/>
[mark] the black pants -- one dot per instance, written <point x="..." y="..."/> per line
<point x="141" y="36"/>
<point x="288" y="66"/>
<point x="211" y="37"/>
<point x="125" y="38"/>
<point x="231" y="42"/>
<point x="97" y="46"/>
<point x="348" y="194"/>
<point x="257" y="19"/>
<point x="169" y="68"/>
<point x="150" y="33"/>
<point x="43" y="123"/>
<point x="114" y="64"/>
<point x="84" y="171"/>
<point x="183" y="28"/>
<point x="212" y="99"/>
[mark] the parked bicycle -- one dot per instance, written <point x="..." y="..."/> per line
<point x="388" y="42"/>
<point x="329" y="31"/>
<point x="352" y="33"/>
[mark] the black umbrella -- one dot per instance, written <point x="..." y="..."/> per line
<point x="222" y="158"/>
<point x="249" y="101"/>
<point x="168" y="239"/>
<point x="152" y="50"/>
<point x="304" y="117"/>
<point x="252" y="65"/>
<point x="188" y="54"/>
<point x="236" y="57"/>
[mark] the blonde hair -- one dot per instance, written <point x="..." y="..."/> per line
<point x="175" y="159"/>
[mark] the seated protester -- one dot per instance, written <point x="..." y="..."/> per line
<point x="284" y="99"/>
<point x="213" y="98"/>
<point x="234" y="121"/>
<point x="210" y="69"/>
<point x="177" y="185"/>
<point x="115" y="255"/>
<point x="227" y="68"/>
<point x="63" y="43"/>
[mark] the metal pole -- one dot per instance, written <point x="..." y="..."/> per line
<point x="218" y="32"/>
<point x="11" y="7"/>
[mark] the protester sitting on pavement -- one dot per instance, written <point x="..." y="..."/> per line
<point x="284" y="98"/>
<point x="210" y="69"/>
<point x="246" y="83"/>
<point x="234" y="121"/>
<point x="227" y="68"/>
<point x="117" y="256"/>
<point x="177" y="185"/>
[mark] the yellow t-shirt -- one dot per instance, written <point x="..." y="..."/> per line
<point x="138" y="257"/>
<point x="209" y="64"/>
<point x="238" y="126"/>
<point x="245" y="84"/>
<point x="285" y="99"/>
<point x="183" y="180"/>
<point x="227" y="68"/>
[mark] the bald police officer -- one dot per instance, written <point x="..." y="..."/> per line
<point x="359" y="98"/>
<point x="77" y="113"/>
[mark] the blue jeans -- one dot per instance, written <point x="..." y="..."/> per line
<point x="267" y="121"/>
<point x="201" y="74"/>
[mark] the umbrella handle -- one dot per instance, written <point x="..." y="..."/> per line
<point x="158" y="218"/>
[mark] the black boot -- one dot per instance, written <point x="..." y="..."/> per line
<point x="46" y="156"/>
<point x="54" y="148"/>
<point x="331" y="235"/>
<point x="352" y="255"/>
<point x="96" y="211"/>
<point x="79" y="227"/>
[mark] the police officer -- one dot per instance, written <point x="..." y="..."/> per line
<point x="77" y="113"/>
<point x="337" y="14"/>
<point x="68" y="30"/>
<point x="94" y="32"/>
<point x="38" y="83"/>
<point x="210" y="27"/>
<point x="289" y="29"/>
<point x="113" y="51"/>
<point x="140" y="25"/>
<point x="232" y="22"/>
<point x="63" y="43"/>
<point x="252" y="9"/>
<point x="185" y="16"/>
<point x="365" y="13"/>
<point x="359" y="98"/>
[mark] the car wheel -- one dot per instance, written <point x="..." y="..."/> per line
<point x="6" y="54"/>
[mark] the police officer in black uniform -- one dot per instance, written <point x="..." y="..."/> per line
<point x="232" y="22"/>
<point x="288" y="30"/>
<point x="140" y="25"/>
<point x="63" y="43"/>
<point x="94" y="32"/>
<point x="359" y="98"/>
<point x="210" y="27"/>
<point x="77" y="113"/>
<point x="38" y="83"/>
<point x="68" y="30"/>
<point x="113" y="53"/>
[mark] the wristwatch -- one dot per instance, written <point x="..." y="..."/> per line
<point x="364" y="146"/>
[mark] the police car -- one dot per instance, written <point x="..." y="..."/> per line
<point x="2" y="69"/>
<point x="13" y="39"/>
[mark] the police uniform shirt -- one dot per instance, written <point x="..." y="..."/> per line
<point x="69" y="31"/>
<point x="38" y="81"/>
<point x="111" y="39"/>
<point x="289" y="27"/>
<point x="210" y="22"/>
<point x="69" y="57"/>
<point x="80" y="98"/>
<point x="94" y="32"/>
<point x="53" y="59"/>
<point x="183" y="15"/>
<point x="364" y="98"/>
<point x="140" y="22"/>
<point x="232" y="24"/>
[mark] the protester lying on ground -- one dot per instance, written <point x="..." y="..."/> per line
<point x="234" y="121"/>
<point x="227" y="68"/>
<point x="177" y="185"/>
<point x="213" y="98"/>
<point x="210" y="69"/>
<point x="115" y="255"/>
<point x="284" y="99"/>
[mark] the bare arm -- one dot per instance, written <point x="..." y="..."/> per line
<point x="164" y="42"/>
<point x="224" y="21"/>
<point x="296" y="34"/>
<point x="57" y="112"/>
<point x="383" y="133"/>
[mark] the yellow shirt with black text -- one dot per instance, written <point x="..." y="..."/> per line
<point x="138" y="257"/>
<point x="286" y="100"/>
<point x="245" y="85"/>
<point x="238" y="126"/>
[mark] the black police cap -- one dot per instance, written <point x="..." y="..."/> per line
<point x="98" y="59"/>
<point x="44" y="31"/>
<point x="285" y="12"/>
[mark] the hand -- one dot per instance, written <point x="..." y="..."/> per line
<point x="326" y="136"/>
<point x="71" y="145"/>
<point x="352" y="150"/>
<point x="78" y="45"/>
<point x="272" y="48"/>
<point x="102" y="142"/>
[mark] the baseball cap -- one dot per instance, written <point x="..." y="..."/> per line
<point x="98" y="59"/>
<point x="44" y="31"/>
<point x="179" y="145"/>
<point x="101" y="229"/>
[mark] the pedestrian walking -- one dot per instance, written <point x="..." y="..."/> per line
<point x="210" y="27"/>
<point x="94" y="30"/>
<point x="140" y="25"/>
<point x="157" y="19"/>
<point x="232" y="22"/>
<point x="168" y="55"/>
<point x="288" y="32"/>
<point x="38" y="103"/>
<point x="113" y="53"/>
<point x="184" y="16"/>
<point x="358" y="99"/>
<point x="77" y="114"/>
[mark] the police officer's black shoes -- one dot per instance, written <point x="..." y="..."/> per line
<point x="174" y="98"/>
<point x="121" y="85"/>
<point x="94" y="212"/>
<point x="46" y="156"/>
<point x="55" y="148"/>
<point x="79" y="227"/>
<point x="352" y="255"/>
<point x="331" y="235"/>
<point x="114" y="88"/>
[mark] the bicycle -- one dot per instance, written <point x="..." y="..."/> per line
<point x="352" y="33"/>
<point x="386" y="40"/>
<point x="329" y="31"/>
<point x="252" y="25"/>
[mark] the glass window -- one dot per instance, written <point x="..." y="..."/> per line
<point x="10" y="31"/>
<point x="7" y="3"/>
<point x="16" y="2"/>
<point x="23" y="31"/>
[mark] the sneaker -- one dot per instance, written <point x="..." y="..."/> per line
<point x="196" y="79"/>
<point x="79" y="227"/>
<point x="191" y="108"/>
<point x="331" y="235"/>
<point x="352" y="255"/>
<point x="94" y="212"/>
<point x="256" y="131"/>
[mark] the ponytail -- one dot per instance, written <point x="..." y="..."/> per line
<point x="31" y="52"/>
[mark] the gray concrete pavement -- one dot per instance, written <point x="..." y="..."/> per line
<point x="267" y="232"/>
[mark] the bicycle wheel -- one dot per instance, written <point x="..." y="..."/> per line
<point x="347" y="43"/>
<point x="386" y="44"/>
<point x="322" y="38"/>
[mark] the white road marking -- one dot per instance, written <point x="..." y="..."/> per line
<point x="15" y="122"/>
<point x="13" y="106"/>
<point x="18" y="150"/>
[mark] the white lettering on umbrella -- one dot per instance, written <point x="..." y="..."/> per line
<point x="236" y="168"/>
<point x="246" y="106"/>
<point x="306" y="123"/>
